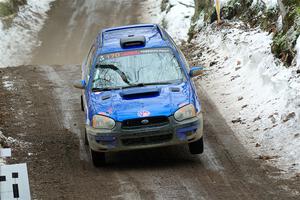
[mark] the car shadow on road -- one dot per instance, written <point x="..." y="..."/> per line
<point x="160" y="158"/>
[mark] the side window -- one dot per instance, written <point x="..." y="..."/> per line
<point x="89" y="62"/>
<point x="183" y="58"/>
<point x="178" y="50"/>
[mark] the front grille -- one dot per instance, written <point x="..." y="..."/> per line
<point x="145" y="122"/>
<point x="147" y="140"/>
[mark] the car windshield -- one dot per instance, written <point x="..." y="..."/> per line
<point x="136" y="68"/>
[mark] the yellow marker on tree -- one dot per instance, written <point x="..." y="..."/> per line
<point x="218" y="9"/>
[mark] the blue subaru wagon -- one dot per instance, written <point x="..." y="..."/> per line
<point x="137" y="93"/>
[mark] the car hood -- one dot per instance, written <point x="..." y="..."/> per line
<point x="140" y="102"/>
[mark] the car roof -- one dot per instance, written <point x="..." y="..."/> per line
<point x="108" y="40"/>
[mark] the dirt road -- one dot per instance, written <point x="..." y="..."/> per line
<point x="41" y="110"/>
<point x="74" y="24"/>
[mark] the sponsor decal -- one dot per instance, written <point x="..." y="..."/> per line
<point x="113" y="55"/>
<point x="131" y="53"/>
<point x="144" y="113"/>
<point x="147" y="51"/>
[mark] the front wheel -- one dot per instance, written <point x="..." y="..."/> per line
<point x="196" y="147"/>
<point x="98" y="158"/>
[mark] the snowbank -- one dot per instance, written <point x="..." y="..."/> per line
<point x="18" y="41"/>
<point x="270" y="3"/>
<point x="223" y="2"/>
<point x="176" y="16"/>
<point x="256" y="94"/>
<point x="298" y="53"/>
<point x="1" y="136"/>
<point x="9" y="142"/>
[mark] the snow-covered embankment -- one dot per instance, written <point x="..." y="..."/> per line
<point x="256" y="94"/>
<point x="19" y="39"/>
<point x="174" y="15"/>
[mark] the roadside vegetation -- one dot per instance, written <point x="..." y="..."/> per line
<point x="283" y="20"/>
<point x="10" y="7"/>
<point x="285" y="39"/>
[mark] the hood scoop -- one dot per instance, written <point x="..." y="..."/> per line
<point x="106" y="97"/>
<point x="175" y="89"/>
<point x="139" y="93"/>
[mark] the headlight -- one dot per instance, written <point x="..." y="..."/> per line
<point x="185" y="112"/>
<point x="102" y="122"/>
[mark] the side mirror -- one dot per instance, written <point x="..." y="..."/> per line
<point x="196" y="71"/>
<point x="79" y="84"/>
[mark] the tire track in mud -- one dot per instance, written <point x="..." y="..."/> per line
<point x="56" y="170"/>
<point x="67" y="101"/>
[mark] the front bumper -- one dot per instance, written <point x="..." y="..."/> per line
<point x="119" y="139"/>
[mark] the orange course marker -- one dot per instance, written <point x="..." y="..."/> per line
<point x="218" y="9"/>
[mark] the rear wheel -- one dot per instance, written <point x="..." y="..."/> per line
<point x="98" y="158"/>
<point x="196" y="147"/>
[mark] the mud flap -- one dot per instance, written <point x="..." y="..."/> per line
<point x="82" y="107"/>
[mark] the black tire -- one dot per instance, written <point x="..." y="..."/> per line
<point x="86" y="141"/>
<point x="81" y="99"/>
<point x="196" y="147"/>
<point x="98" y="158"/>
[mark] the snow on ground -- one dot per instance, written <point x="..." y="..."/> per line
<point x="7" y="84"/>
<point x="270" y="3"/>
<point x="17" y="42"/>
<point x="9" y="142"/>
<point x="176" y="18"/>
<point x="178" y="14"/>
<point x="255" y="93"/>
<point x="1" y="136"/>
<point x="223" y="2"/>
<point x="298" y="53"/>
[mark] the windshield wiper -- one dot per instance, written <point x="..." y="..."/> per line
<point x="146" y="84"/>
<point x="105" y="89"/>
<point x="116" y="69"/>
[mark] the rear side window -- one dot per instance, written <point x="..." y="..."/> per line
<point x="178" y="50"/>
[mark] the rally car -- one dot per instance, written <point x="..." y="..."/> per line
<point x="138" y="92"/>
